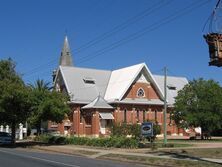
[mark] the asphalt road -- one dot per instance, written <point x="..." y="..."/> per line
<point x="25" y="158"/>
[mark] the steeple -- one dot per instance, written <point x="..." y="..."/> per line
<point x="66" y="56"/>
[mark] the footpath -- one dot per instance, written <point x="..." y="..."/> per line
<point x="93" y="152"/>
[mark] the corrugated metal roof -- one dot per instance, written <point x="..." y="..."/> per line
<point x="140" y="101"/>
<point x="112" y="85"/>
<point x="78" y="89"/>
<point x="122" y="79"/>
<point x="178" y="82"/>
<point x="98" y="102"/>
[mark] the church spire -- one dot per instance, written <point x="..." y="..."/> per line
<point x="66" y="56"/>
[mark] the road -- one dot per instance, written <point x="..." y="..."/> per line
<point x="25" y="158"/>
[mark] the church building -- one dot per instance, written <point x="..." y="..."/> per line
<point x="99" y="98"/>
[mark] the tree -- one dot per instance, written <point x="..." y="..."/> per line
<point x="199" y="104"/>
<point x="15" y="101"/>
<point x="40" y="85"/>
<point x="47" y="105"/>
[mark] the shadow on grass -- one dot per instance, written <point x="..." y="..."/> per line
<point x="182" y="156"/>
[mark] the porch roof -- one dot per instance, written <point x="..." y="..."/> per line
<point x="98" y="102"/>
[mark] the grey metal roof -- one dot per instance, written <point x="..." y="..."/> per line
<point x="178" y="82"/>
<point x="77" y="88"/>
<point x="98" y="102"/>
<point x="66" y="56"/>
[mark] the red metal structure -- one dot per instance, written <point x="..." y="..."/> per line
<point x="214" y="38"/>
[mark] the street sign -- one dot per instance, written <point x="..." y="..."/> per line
<point x="147" y="129"/>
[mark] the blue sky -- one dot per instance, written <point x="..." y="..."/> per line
<point x="154" y="32"/>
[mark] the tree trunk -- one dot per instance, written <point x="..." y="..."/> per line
<point x="38" y="128"/>
<point x="13" y="132"/>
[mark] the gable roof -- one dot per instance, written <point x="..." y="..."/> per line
<point x="177" y="82"/>
<point x="121" y="80"/>
<point x="112" y="85"/>
<point x="98" y="102"/>
<point x="81" y="91"/>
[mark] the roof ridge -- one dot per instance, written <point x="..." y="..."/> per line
<point x="86" y="68"/>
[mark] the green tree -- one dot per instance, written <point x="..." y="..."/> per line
<point x="47" y="105"/>
<point x="199" y="104"/>
<point x="15" y="101"/>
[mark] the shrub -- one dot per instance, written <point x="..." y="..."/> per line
<point x="126" y="129"/>
<point x="60" y="140"/>
<point x="118" y="142"/>
<point x="42" y="138"/>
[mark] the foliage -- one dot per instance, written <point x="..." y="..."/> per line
<point x="117" y="142"/>
<point x="133" y="130"/>
<point x="15" y="100"/>
<point x="198" y="104"/>
<point x="125" y="129"/>
<point x="47" y="105"/>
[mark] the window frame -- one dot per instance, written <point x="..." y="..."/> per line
<point x="137" y="93"/>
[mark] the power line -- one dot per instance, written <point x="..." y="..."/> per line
<point x="113" y="31"/>
<point x="153" y="27"/>
<point x="140" y="33"/>
<point x="124" y="25"/>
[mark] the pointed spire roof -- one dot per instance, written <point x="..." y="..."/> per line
<point x="66" y="56"/>
<point x="98" y="102"/>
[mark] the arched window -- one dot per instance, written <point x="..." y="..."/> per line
<point x="140" y="92"/>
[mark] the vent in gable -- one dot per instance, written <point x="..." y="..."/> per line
<point x="89" y="81"/>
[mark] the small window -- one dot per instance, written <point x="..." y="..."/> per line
<point x="89" y="81"/>
<point x="140" y="92"/>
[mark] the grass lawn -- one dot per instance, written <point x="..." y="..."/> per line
<point x="197" y="152"/>
<point x="159" y="161"/>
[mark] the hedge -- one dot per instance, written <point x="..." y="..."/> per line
<point x="117" y="142"/>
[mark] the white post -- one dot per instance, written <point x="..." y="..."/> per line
<point x="1" y="128"/>
<point x="7" y="129"/>
<point x="20" y="131"/>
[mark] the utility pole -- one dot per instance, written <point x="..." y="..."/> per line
<point x="165" y="106"/>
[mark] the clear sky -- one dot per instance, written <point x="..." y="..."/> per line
<point x="122" y="33"/>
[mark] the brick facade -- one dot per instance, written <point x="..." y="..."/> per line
<point x="87" y="122"/>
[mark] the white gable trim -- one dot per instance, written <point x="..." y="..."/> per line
<point x="143" y="65"/>
<point x="131" y="81"/>
<point x="65" y="82"/>
<point x="155" y="83"/>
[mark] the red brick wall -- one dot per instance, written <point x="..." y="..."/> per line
<point x="149" y="90"/>
<point x="80" y="128"/>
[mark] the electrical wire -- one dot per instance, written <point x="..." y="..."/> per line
<point x="153" y="27"/>
<point x="113" y="31"/>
